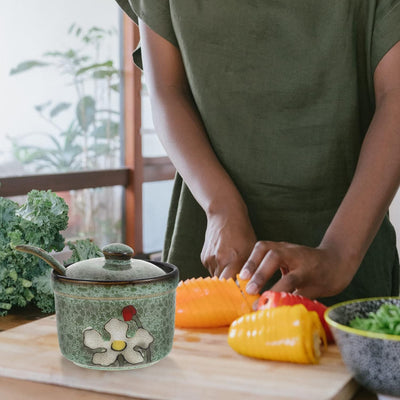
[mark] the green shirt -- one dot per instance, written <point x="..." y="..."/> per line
<point x="285" y="91"/>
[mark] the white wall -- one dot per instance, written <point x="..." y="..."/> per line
<point x="395" y="216"/>
<point x="27" y="30"/>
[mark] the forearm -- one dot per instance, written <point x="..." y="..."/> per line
<point x="182" y="133"/>
<point x="180" y="127"/>
<point x="373" y="187"/>
<point x="327" y="270"/>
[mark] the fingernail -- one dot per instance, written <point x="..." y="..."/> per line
<point x="244" y="274"/>
<point x="252" y="288"/>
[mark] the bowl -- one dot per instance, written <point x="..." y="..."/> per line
<point x="372" y="358"/>
<point x="115" y="313"/>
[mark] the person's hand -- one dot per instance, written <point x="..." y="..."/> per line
<point x="311" y="272"/>
<point x="228" y="243"/>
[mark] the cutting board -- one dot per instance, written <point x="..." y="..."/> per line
<point x="201" y="365"/>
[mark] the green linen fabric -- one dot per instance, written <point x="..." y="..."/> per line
<point x="285" y="91"/>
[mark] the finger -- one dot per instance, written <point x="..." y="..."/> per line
<point x="219" y="270"/>
<point x="225" y="258"/>
<point x="211" y="264"/>
<point x="224" y="271"/>
<point x="270" y="263"/>
<point x="232" y="268"/>
<point x="229" y="271"/>
<point x="257" y="255"/>
<point x="288" y="283"/>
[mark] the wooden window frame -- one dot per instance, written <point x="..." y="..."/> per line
<point x="132" y="175"/>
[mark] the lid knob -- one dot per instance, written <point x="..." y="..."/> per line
<point x="117" y="251"/>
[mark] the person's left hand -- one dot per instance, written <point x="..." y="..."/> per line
<point x="310" y="272"/>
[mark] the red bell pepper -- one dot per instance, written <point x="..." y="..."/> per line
<point x="270" y="299"/>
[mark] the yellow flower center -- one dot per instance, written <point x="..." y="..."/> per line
<point x="118" y="345"/>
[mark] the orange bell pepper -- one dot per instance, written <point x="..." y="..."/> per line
<point x="287" y="333"/>
<point x="211" y="302"/>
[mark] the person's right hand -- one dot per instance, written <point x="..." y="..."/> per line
<point x="229" y="237"/>
<point x="228" y="243"/>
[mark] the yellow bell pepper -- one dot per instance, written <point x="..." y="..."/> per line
<point x="287" y="333"/>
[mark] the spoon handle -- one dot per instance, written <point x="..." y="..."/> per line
<point x="57" y="266"/>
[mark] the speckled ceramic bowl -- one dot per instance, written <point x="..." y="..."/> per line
<point x="115" y="313"/>
<point x="373" y="358"/>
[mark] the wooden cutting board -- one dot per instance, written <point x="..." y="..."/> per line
<point x="201" y="365"/>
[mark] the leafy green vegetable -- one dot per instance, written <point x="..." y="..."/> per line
<point x="44" y="298"/>
<point x="83" y="250"/>
<point x="43" y="215"/>
<point x="37" y="222"/>
<point x="385" y="320"/>
<point x="24" y="278"/>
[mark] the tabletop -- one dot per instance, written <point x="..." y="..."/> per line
<point x="24" y="389"/>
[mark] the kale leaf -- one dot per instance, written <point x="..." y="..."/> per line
<point x="24" y="278"/>
<point x="43" y="216"/>
<point x="37" y="222"/>
<point x="83" y="250"/>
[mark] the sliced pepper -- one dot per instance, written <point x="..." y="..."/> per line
<point x="270" y="299"/>
<point x="210" y="302"/>
<point x="287" y="333"/>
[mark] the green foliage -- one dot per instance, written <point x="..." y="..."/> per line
<point x="59" y="108"/>
<point x="82" y="132"/>
<point x="44" y="293"/>
<point x="385" y="320"/>
<point x="62" y="156"/>
<point x="86" y="112"/>
<point x="37" y="222"/>
<point x="27" y="65"/>
<point x="78" y="145"/>
<point x="25" y="278"/>
<point x="83" y="250"/>
<point x="43" y="216"/>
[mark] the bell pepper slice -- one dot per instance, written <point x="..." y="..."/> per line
<point x="210" y="302"/>
<point x="270" y="299"/>
<point x="286" y="333"/>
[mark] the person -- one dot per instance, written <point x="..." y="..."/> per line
<point x="282" y="119"/>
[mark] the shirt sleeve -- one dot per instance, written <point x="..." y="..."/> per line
<point x="386" y="31"/>
<point x="154" y="13"/>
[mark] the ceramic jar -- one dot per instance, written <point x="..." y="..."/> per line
<point x="115" y="312"/>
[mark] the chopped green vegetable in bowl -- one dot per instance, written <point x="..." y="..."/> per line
<point x="365" y="332"/>
<point x="385" y="320"/>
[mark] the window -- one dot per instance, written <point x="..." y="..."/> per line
<point x="73" y="120"/>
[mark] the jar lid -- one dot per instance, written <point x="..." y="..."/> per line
<point x="116" y="265"/>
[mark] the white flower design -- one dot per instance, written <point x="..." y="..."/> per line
<point x="119" y="343"/>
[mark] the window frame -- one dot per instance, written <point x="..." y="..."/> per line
<point x="136" y="170"/>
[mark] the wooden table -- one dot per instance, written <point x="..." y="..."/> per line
<point x="18" y="387"/>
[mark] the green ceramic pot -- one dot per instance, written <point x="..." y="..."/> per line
<point x="115" y="312"/>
